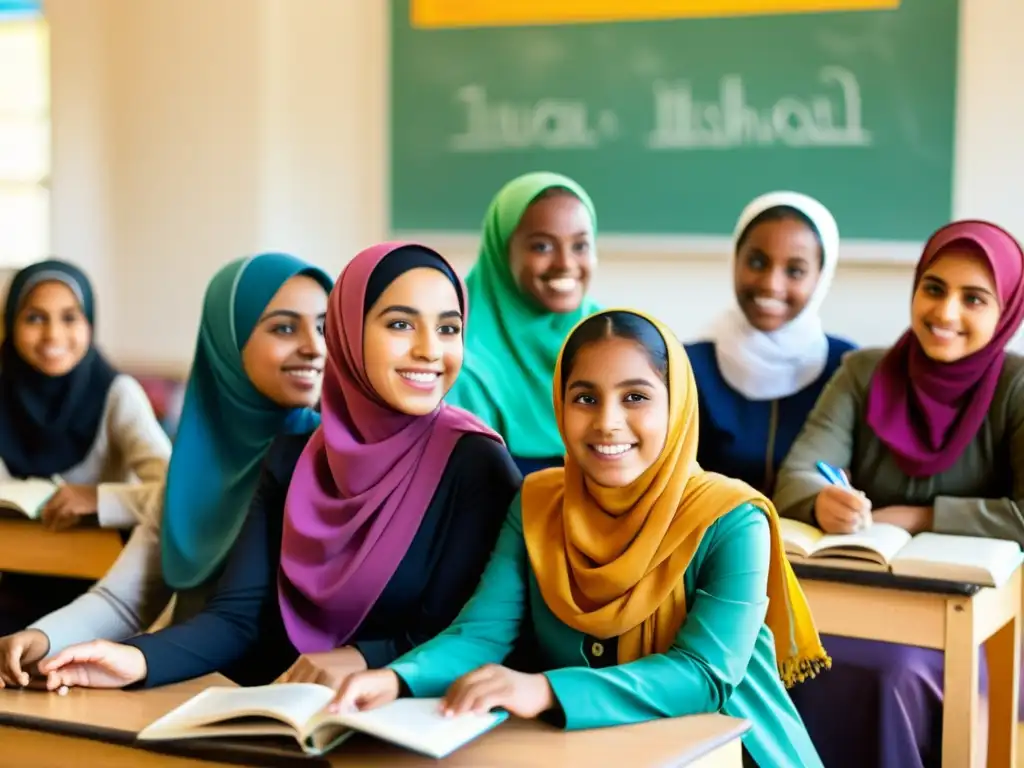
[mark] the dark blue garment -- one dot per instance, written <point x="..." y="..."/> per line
<point x="749" y="439"/>
<point x="528" y="466"/>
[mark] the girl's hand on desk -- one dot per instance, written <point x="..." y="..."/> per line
<point x="494" y="686"/>
<point x="19" y="651"/>
<point x="97" y="664"/>
<point x="69" y="505"/>
<point x="913" y="520"/>
<point x="331" y="668"/>
<point x="366" y="690"/>
<point x="841" y="510"/>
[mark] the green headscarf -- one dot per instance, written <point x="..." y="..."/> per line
<point x="512" y="344"/>
<point x="226" y="423"/>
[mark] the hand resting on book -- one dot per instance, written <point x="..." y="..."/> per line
<point x="492" y="686"/>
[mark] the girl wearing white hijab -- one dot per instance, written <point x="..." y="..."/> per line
<point x="768" y="357"/>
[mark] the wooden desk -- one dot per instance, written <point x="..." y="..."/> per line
<point x="99" y="728"/>
<point x="79" y="553"/>
<point x="956" y="624"/>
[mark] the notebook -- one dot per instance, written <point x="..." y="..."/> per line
<point x="26" y="497"/>
<point x="298" y="710"/>
<point x="885" y="547"/>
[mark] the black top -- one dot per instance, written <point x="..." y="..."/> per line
<point x="241" y="634"/>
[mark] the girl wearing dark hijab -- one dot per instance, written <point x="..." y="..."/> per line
<point x="365" y="538"/>
<point x="66" y="413"/>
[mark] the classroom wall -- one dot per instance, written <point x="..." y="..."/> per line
<point x="187" y="133"/>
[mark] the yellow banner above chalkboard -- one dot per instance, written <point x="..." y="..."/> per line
<point x="505" y="13"/>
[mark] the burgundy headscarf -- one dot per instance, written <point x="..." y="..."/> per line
<point x="363" y="482"/>
<point x="926" y="412"/>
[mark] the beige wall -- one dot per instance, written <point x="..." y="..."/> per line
<point x="187" y="133"/>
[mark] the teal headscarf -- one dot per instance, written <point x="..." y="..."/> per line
<point x="512" y="344"/>
<point x="226" y="423"/>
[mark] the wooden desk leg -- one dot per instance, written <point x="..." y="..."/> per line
<point x="960" y="702"/>
<point x="1002" y="652"/>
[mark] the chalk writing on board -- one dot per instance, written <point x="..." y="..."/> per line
<point x="547" y="124"/>
<point x="683" y="122"/>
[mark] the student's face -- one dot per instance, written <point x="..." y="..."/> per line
<point x="955" y="308"/>
<point x="616" y="412"/>
<point x="284" y="356"/>
<point x="777" y="268"/>
<point x="550" y="253"/>
<point x="412" y="341"/>
<point x="51" y="332"/>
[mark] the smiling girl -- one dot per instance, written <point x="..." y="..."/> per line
<point x="65" y="411"/>
<point x="769" y="357"/>
<point x="528" y="289"/>
<point x="364" y="538"/>
<point x="655" y="589"/>
<point x="931" y="434"/>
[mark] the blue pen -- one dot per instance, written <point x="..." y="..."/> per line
<point x="833" y="475"/>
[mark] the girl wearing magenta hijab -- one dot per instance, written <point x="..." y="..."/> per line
<point x="528" y="290"/>
<point x="930" y="435"/>
<point x="768" y="357"/>
<point x="365" y="538"/>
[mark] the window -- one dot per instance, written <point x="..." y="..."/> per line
<point x="24" y="134"/>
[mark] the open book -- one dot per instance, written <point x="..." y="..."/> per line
<point x="298" y="710"/>
<point x="26" y="497"/>
<point x="884" y="547"/>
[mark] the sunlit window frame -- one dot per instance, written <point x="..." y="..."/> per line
<point x="12" y="256"/>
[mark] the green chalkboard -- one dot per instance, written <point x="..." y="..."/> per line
<point x="673" y="126"/>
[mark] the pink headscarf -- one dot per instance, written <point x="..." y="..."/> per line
<point x="927" y="412"/>
<point x="363" y="482"/>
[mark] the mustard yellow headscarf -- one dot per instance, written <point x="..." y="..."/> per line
<point x="610" y="561"/>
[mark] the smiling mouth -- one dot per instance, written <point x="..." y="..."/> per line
<point x="563" y="285"/>
<point x="770" y="306"/>
<point x="53" y="353"/>
<point x="423" y="380"/>
<point x="943" y="334"/>
<point x="305" y="372"/>
<point x="612" y="451"/>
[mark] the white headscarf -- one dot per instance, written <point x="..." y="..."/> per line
<point x="769" y="366"/>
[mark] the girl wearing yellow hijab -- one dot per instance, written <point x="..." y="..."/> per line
<point x="655" y="589"/>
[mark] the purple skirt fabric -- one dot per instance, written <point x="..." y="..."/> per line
<point x="879" y="705"/>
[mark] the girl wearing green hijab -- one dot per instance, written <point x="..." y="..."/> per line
<point x="256" y="373"/>
<point x="528" y="290"/>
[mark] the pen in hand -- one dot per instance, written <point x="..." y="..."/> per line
<point x="838" y="477"/>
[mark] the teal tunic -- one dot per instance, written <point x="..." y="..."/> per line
<point x="723" y="658"/>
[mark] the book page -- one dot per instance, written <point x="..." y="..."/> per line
<point x="27" y="496"/>
<point x="879" y="543"/>
<point x="967" y="559"/>
<point x="800" y="539"/>
<point x="292" y="703"/>
<point x="418" y="725"/>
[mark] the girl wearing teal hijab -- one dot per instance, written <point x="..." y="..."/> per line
<point x="228" y="421"/>
<point x="528" y="290"/>
<point x="258" y="363"/>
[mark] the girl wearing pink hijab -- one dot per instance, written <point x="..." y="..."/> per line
<point x="931" y="435"/>
<point x="365" y="538"/>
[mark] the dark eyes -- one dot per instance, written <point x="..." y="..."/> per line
<point x="759" y="262"/>
<point x="68" y="318"/>
<point x="937" y="291"/>
<point x="288" y="329"/>
<point x="448" y="329"/>
<point x="631" y="398"/>
<point x="578" y="247"/>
